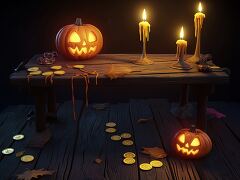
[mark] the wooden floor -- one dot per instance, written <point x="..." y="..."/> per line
<point x="76" y="144"/>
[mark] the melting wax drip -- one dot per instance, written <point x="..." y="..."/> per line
<point x="198" y="22"/>
<point x="144" y="30"/>
<point x="50" y="77"/>
<point x="181" y="50"/>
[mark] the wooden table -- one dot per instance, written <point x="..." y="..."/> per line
<point x="158" y="73"/>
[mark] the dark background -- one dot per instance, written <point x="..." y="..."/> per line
<point x="30" y="27"/>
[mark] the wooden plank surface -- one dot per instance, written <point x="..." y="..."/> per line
<point x="146" y="135"/>
<point x="115" y="168"/>
<point x="159" y="72"/>
<point x="75" y="144"/>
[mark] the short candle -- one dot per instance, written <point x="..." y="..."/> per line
<point x="181" y="46"/>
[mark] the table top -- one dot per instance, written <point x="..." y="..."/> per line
<point x="158" y="73"/>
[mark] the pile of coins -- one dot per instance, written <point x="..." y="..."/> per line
<point x="35" y="71"/>
<point x="129" y="157"/>
<point x="24" y="158"/>
<point x="111" y="128"/>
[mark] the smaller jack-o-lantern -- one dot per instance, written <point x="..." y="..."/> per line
<point x="79" y="41"/>
<point x="191" y="143"/>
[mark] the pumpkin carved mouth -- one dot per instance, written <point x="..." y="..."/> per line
<point x="79" y="51"/>
<point x="186" y="151"/>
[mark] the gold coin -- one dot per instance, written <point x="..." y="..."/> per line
<point x="27" y="158"/>
<point x="79" y="66"/>
<point x="59" y="72"/>
<point x="47" y="73"/>
<point x="129" y="160"/>
<point x="111" y="124"/>
<point x="35" y="73"/>
<point x="145" y="166"/>
<point x="33" y="69"/>
<point x="156" y="163"/>
<point x="56" y="67"/>
<point x="18" y="137"/>
<point x="127" y="142"/>
<point x="8" y="151"/>
<point x="116" y="138"/>
<point x="126" y="135"/>
<point x="129" y="155"/>
<point x="110" y="130"/>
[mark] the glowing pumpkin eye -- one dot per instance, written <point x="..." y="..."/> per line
<point x="181" y="138"/>
<point x="91" y="37"/>
<point x="74" y="37"/>
<point x="195" y="142"/>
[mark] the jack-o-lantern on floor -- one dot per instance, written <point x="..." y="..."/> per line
<point x="191" y="143"/>
<point x="79" y="41"/>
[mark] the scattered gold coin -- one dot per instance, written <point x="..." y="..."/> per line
<point x="33" y="69"/>
<point x="59" y="72"/>
<point x="79" y="66"/>
<point x="35" y="73"/>
<point x="27" y="158"/>
<point x="129" y="155"/>
<point x="127" y="142"/>
<point x="111" y="124"/>
<point x="145" y="166"/>
<point x="156" y="163"/>
<point x="47" y="73"/>
<point x="116" y="138"/>
<point x="18" y="137"/>
<point x="129" y="160"/>
<point x="110" y="130"/>
<point x="56" y="67"/>
<point x="8" y="151"/>
<point x="126" y="135"/>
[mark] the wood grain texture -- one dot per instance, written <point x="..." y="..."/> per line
<point x="158" y="73"/>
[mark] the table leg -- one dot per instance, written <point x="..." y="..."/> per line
<point x="184" y="95"/>
<point x="51" y="104"/>
<point x="202" y="92"/>
<point x="40" y="107"/>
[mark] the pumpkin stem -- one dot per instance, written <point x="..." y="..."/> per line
<point x="193" y="128"/>
<point x="78" y="22"/>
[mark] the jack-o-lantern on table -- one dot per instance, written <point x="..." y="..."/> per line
<point x="79" y="41"/>
<point x="191" y="143"/>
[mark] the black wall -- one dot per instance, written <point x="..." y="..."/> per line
<point x="30" y="27"/>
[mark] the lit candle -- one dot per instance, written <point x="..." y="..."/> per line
<point x="144" y="27"/>
<point x="198" y="20"/>
<point x="144" y="30"/>
<point x="181" y="46"/>
<point x="181" y="52"/>
<point x="198" y="23"/>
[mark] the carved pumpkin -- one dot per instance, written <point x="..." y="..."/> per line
<point x="192" y="143"/>
<point x="79" y="41"/>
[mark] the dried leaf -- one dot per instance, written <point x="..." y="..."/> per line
<point x="144" y="120"/>
<point x="154" y="152"/>
<point x="20" y="153"/>
<point x="115" y="73"/>
<point x="35" y="173"/>
<point x="98" y="161"/>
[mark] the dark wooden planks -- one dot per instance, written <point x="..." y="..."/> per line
<point x="15" y="123"/>
<point x="58" y="154"/>
<point x="90" y="145"/>
<point x="146" y="135"/>
<point x="168" y="126"/>
<point x="115" y="168"/>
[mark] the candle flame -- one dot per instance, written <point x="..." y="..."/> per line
<point x="200" y="7"/>
<point x="181" y="33"/>
<point x="144" y="15"/>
